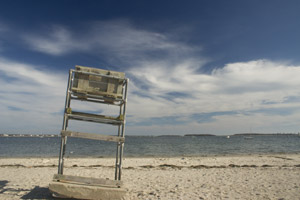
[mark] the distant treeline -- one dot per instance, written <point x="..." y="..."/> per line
<point x="244" y="134"/>
<point x="28" y="135"/>
<point x="265" y="134"/>
<point x="199" y="135"/>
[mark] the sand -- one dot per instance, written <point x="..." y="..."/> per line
<point x="275" y="176"/>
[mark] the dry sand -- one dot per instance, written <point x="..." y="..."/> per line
<point x="214" y="177"/>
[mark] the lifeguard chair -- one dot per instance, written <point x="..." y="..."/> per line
<point x="96" y="86"/>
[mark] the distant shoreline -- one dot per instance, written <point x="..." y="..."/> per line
<point x="29" y="135"/>
<point x="186" y="135"/>
<point x="268" y="134"/>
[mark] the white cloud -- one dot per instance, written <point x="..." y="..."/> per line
<point x="30" y="97"/>
<point x="123" y="40"/>
<point x="239" y="87"/>
<point x="57" y="41"/>
<point x="258" y="75"/>
<point x="28" y="73"/>
<point x="166" y="83"/>
<point x="117" y="40"/>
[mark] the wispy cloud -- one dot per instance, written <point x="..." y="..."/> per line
<point x="168" y="93"/>
<point x="32" y="99"/>
<point x="117" y="40"/>
<point x="56" y="41"/>
<point x="29" y="96"/>
<point x="237" y="89"/>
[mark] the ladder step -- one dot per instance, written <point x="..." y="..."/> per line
<point x="87" y="180"/>
<point x="95" y="118"/>
<point x="93" y="136"/>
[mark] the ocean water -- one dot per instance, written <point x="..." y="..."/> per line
<point x="147" y="146"/>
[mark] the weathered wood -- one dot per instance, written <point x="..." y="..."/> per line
<point x="79" y="191"/>
<point x="96" y="118"/>
<point x="91" y="98"/>
<point x="98" y="86"/>
<point x="109" y="84"/>
<point x="93" y="136"/>
<point x="95" y="115"/>
<point x="120" y="75"/>
<point x="87" y="180"/>
<point x="93" y="91"/>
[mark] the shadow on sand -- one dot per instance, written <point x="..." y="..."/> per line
<point x="38" y="193"/>
<point x="4" y="189"/>
<point x="2" y="185"/>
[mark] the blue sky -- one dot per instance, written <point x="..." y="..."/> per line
<point x="218" y="67"/>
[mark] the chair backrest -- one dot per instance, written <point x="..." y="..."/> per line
<point x="93" y="81"/>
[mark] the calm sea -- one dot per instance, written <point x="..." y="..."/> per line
<point x="144" y="146"/>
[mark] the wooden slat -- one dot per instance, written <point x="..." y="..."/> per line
<point x="98" y="82"/>
<point x="91" y="119"/>
<point x="87" y="180"/>
<point x="93" y="136"/>
<point x="96" y="92"/>
<point x="90" y="98"/>
<point x="97" y="71"/>
<point x="96" y="118"/>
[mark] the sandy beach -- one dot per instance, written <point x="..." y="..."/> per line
<point x="272" y="176"/>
